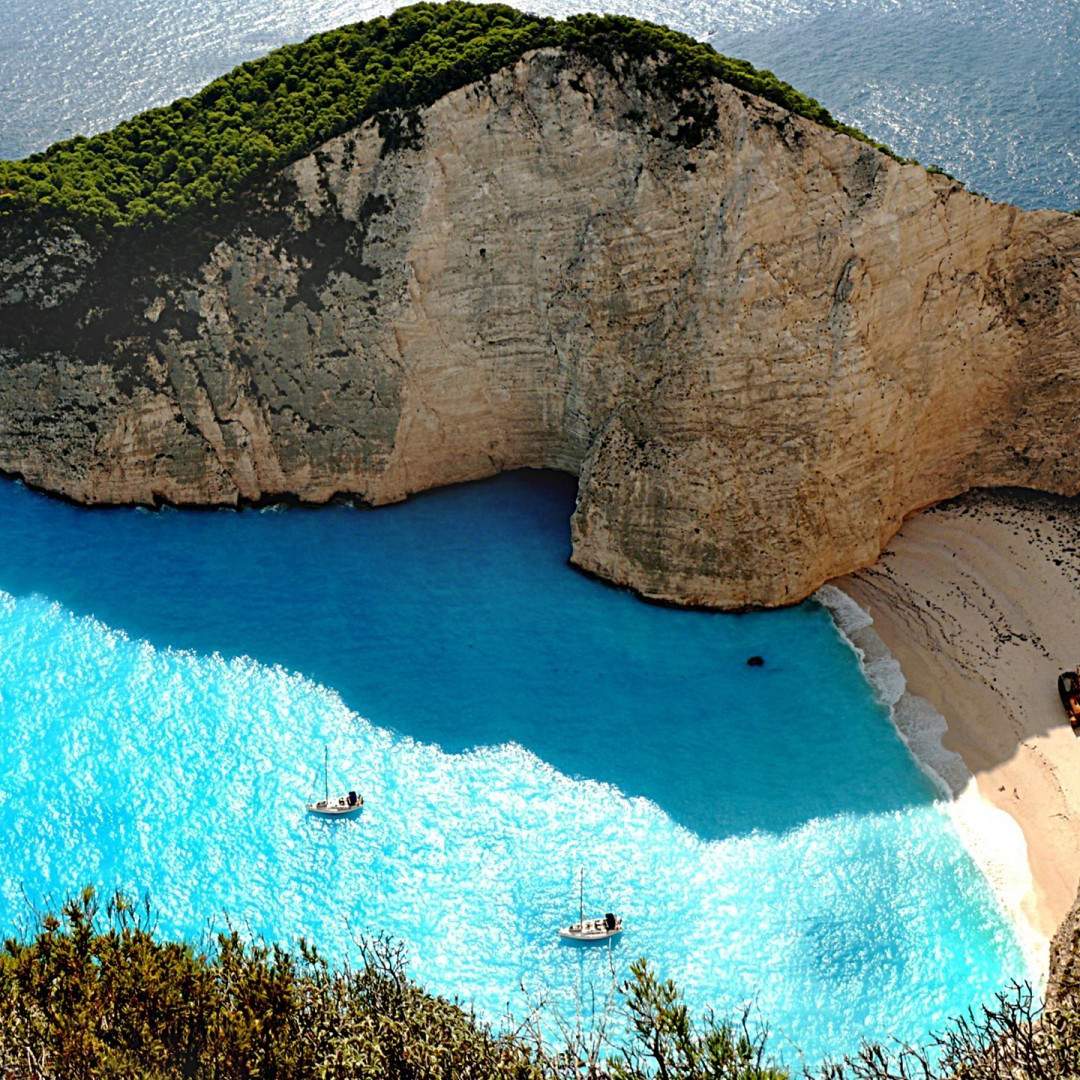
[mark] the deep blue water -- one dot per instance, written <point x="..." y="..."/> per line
<point x="168" y="681"/>
<point x="988" y="89"/>
<point x="454" y="619"/>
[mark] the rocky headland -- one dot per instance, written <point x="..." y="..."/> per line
<point x="760" y="347"/>
<point x="760" y="343"/>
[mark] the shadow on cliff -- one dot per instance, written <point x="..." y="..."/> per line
<point x="454" y="619"/>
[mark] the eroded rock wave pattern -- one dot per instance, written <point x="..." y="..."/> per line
<point x="758" y="343"/>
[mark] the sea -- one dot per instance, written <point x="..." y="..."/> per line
<point x="170" y="681"/>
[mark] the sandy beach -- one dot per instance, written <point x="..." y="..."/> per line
<point x="977" y="600"/>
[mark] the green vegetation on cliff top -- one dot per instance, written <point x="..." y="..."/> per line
<point x="202" y="152"/>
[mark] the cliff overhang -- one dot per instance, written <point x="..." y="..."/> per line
<point x="759" y="348"/>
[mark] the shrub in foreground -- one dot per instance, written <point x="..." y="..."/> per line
<point x="1012" y="1039"/>
<point x="95" y="992"/>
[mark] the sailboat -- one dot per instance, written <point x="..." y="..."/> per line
<point x="339" y="805"/>
<point x="591" y="929"/>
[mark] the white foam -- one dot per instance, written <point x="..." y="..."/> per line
<point x="847" y="615"/>
<point x="992" y="837"/>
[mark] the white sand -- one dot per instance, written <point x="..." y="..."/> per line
<point x="979" y="603"/>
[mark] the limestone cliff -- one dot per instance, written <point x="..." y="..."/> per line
<point x="759" y="351"/>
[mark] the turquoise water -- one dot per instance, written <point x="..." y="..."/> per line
<point x="168" y="680"/>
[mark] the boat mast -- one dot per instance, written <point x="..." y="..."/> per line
<point x="326" y="772"/>
<point x="581" y="900"/>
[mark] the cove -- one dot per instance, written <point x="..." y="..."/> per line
<point x="168" y="679"/>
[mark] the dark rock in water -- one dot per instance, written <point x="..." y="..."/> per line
<point x="756" y="661"/>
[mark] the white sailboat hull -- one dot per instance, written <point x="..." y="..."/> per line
<point x="336" y="807"/>
<point x="591" y="930"/>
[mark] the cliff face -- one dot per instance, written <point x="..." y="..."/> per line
<point x="759" y="351"/>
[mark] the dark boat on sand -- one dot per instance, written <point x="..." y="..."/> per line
<point x="1069" y="690"/>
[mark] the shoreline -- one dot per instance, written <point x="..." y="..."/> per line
<point x="963" y="626"/>
<point x="1003" y="861"/>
